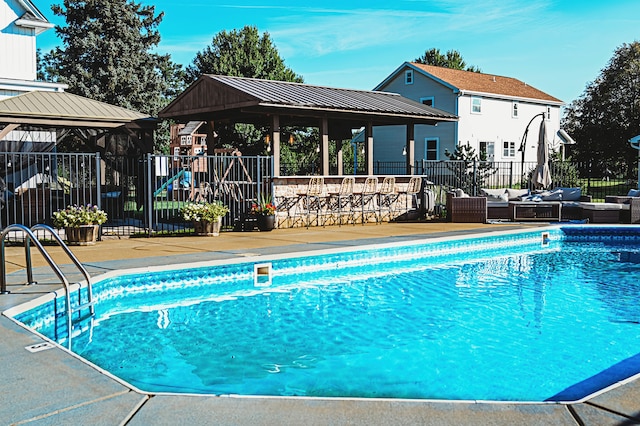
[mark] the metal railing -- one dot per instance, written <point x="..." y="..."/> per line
<point x="31" y="237"/>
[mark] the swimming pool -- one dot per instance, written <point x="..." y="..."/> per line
<point x="398" y="321"/>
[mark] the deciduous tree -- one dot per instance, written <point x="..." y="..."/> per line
<point x="607" y="114"/>
<point x="452" y="59"/>
<point x="246" y="53"/>
<point x="241" y="53"/>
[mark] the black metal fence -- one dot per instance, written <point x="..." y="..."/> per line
<point x="144" y="194"/>
<point x="140" y="194"/>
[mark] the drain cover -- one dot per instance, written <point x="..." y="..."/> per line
<point x="39" y="347"/>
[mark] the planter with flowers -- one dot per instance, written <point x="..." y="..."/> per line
<point x="265" y="212"/>
<point x="81" y="223"/>
<point x="206" y="217"/>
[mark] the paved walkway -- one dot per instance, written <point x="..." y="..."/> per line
<point x="53" y="387"/>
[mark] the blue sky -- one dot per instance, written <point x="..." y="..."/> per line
<point x="558" y="46"/>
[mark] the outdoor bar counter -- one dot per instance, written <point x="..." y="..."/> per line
<point x="321" y="200"/>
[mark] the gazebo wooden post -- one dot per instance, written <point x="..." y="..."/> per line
<point x="324" y="146"/>
<point x="275" y="137"/>
<point x="211" y="140"/>
<point x="368" y="134"/>
<point x="410" y="147"/>
<point x="340" y="146"/>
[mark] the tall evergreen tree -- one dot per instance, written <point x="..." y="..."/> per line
<point x="608" y="113"/>
<point x="452" y="59"/>
<point x="107" y="54"/>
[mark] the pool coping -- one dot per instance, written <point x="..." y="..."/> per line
<point x="616" y="403"/>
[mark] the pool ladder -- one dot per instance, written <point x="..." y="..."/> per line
<point x="30" y="236"/>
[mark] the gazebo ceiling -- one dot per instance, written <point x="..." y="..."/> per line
<point x="249" y="100"/>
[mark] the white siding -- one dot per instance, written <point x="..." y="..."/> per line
<point x="495" y="124"/>
<point x="17" y="45"/>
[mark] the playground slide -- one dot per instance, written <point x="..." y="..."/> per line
<point x="169" y="182"/>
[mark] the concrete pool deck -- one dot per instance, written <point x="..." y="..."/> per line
<point x="53" y="387"/>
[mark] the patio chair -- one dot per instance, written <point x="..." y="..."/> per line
<point x="630" y="207"/>
<point x="466" y="209"/>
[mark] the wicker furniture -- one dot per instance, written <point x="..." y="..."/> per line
<point x="601" y="212"/>
<point x="545" y="211"/>
<point x="630" y="207"/>
<point x="466" y="209"/>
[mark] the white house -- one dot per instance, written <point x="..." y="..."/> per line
<point x="20" y="23"/>
<point x="493" y="113"/>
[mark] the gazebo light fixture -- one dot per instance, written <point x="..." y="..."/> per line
<point x="291" y="139"/>
<point x="404" y="150"/>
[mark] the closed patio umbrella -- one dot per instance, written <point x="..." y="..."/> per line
<point x="542" y="175"/>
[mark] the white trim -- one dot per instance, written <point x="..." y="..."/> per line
<point x="515" y="98"/>
<point x="30" y="86"/>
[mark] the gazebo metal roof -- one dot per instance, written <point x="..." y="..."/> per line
<point x="63" y="109"/>
<point x="238" y="98"/>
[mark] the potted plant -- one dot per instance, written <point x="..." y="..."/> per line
<point x="81" y="223"/>
<point x="206" y="217"/>
<point x="265" y="212"/>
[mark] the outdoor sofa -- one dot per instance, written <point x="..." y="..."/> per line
<point x="520" y="204"/>
<point x="629" y="205"/>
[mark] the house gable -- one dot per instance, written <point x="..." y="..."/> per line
<point x="493" y="112"/>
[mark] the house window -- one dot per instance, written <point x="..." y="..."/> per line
<point x="176" y="151"/>
<point x="428" y="101"/>
<point x="514" y="109"/>
<point x="183" y="140"/>
<point x="548" y="113"/>
<point x="508" y="149"/>
<point x="476" y="105"/>
<point x="431" y="149"/>
<point x="408" y="77"/>
<point x="487" y="151"/>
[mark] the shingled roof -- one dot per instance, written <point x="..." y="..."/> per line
<point x="223" y="96"/>
<point x="480" y="83"/>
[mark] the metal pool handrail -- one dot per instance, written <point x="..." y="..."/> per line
<point x="30" y="236"/>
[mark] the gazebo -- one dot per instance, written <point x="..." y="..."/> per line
<point x="216" y="98"/>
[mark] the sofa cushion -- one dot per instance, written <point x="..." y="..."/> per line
<point x="494" y="195"/>
<point x="633" y="193"/>
<point x="555" y="195"/>
<point x="517" y="194"/>
<point x="460" y="193"/>
<point x="569" y="194"/>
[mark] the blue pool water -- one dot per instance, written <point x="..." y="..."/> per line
<point x="490" y="318"/>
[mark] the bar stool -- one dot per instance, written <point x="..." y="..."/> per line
<point x="342" y="201"/>
<point x="387" y="197"/>
<point x="368" y="199"/>
<point x="311" y="201"/>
